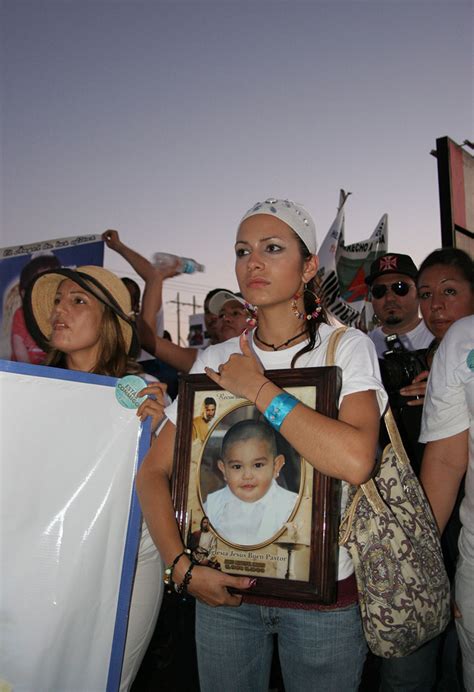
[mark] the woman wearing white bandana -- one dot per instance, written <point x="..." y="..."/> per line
<point x="320" y="648"/>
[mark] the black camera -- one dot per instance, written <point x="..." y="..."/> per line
<point x="398" y="368"/>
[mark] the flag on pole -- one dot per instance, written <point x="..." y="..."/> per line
<point x="343" y="268"/>
<point x="327" y="273"/>
<point x="353" y="263"/>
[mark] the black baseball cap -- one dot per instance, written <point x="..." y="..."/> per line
<point x="391" y="263"/>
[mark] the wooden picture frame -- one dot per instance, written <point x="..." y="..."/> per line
<point x="293" y="557"/>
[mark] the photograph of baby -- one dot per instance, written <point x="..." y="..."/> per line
<point x="250" y="479"/>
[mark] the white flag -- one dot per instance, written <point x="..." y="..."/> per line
<point x="327" y="274"/>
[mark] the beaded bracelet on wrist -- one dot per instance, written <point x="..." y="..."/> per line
<point x="182" y="589"/>
<point x="168" y="573"/>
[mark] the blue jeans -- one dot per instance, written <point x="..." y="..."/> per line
<point x="413" y="673"/>
<point x="319" y="650"/>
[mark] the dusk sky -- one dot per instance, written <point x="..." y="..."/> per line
<point x="168" y="120"/>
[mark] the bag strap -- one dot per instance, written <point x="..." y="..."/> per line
<point x="394" y="435"/>
<point x="334" y="339"/>
<point x="369" y="489"/>
<point x="390" y="423"/>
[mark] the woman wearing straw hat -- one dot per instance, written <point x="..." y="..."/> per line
<point x="82" y="319"/>
<point x="320" y="648"/>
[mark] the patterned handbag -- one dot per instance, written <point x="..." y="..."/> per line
<point x="391" y="534"/>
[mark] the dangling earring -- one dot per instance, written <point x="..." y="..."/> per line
<point x="252" y="319"/>
<point x="306" y="315"/>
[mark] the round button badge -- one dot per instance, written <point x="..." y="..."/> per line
<point x="470" y="359"/>
<point x="126" y="391"/>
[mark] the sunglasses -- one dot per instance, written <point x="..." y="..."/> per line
<point x="400" y="288"/>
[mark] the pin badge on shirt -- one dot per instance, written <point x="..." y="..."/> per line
<point x="470" y="359"/>
<point x="126" y="391"/>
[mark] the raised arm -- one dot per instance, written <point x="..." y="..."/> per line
<point x="444" y="465"/>
<point x="140" y="264"/>
<point x="153" y="487"/>
<point x="178" y="357"/>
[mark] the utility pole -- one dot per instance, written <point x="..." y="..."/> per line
<point x="179" y="304"/>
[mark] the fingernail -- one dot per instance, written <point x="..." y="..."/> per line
<point x="253" y="582"/>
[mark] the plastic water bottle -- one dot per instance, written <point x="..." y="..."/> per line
<point x="186" y="265"/>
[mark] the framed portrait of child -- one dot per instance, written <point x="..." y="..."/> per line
<point x="246" y="501"/>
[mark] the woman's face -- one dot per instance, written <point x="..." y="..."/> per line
<point x="445" y="296"/>
<point x="76" y="321"/>
<point x="268" y="265"/>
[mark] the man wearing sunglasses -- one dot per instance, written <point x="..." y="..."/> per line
<point x="395" y="303"/>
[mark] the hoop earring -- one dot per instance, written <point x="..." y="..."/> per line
<point x="252" y="319"/>
<point x="305" y="315"/>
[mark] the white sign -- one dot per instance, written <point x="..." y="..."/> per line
<point x="69" y="527"/>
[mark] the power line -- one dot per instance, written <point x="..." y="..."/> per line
<point x="177" y="283"/>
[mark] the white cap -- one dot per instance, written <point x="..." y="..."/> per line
<point x="221" y="298"/>
<point x="296" y="216"/>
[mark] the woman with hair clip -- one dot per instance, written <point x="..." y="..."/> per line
<point x="82" y="317"/>
<point x="319" y="647"/>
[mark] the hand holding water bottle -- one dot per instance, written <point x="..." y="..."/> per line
<point x="182" y="265"/>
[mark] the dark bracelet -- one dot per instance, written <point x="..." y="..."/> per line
<point x="168" y="573"/>
<point x="260" y="389"/>
<point x="183" y="587"/>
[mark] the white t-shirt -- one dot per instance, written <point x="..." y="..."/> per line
<point x="449" y="409"/>
<point x="249" y="523"/>
<point x="355" y="356"/>
<point x="417" y="338"/>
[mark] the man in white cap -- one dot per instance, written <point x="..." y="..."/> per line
<point x="231" y="314"/>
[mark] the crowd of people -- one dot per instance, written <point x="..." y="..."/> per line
<point x="442" y="290"/>
<point x="420" y="359"/>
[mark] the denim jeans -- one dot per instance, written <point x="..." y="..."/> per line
<point x="465" y="624"/>
<point x="413" y="673"/>
<point x="319" y="650"/>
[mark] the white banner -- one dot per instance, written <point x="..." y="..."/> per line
<point x="69" y="528"/>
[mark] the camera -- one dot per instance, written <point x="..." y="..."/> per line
<point x="398" y="368"/>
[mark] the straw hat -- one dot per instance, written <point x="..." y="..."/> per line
<point x="99" y="282"/>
